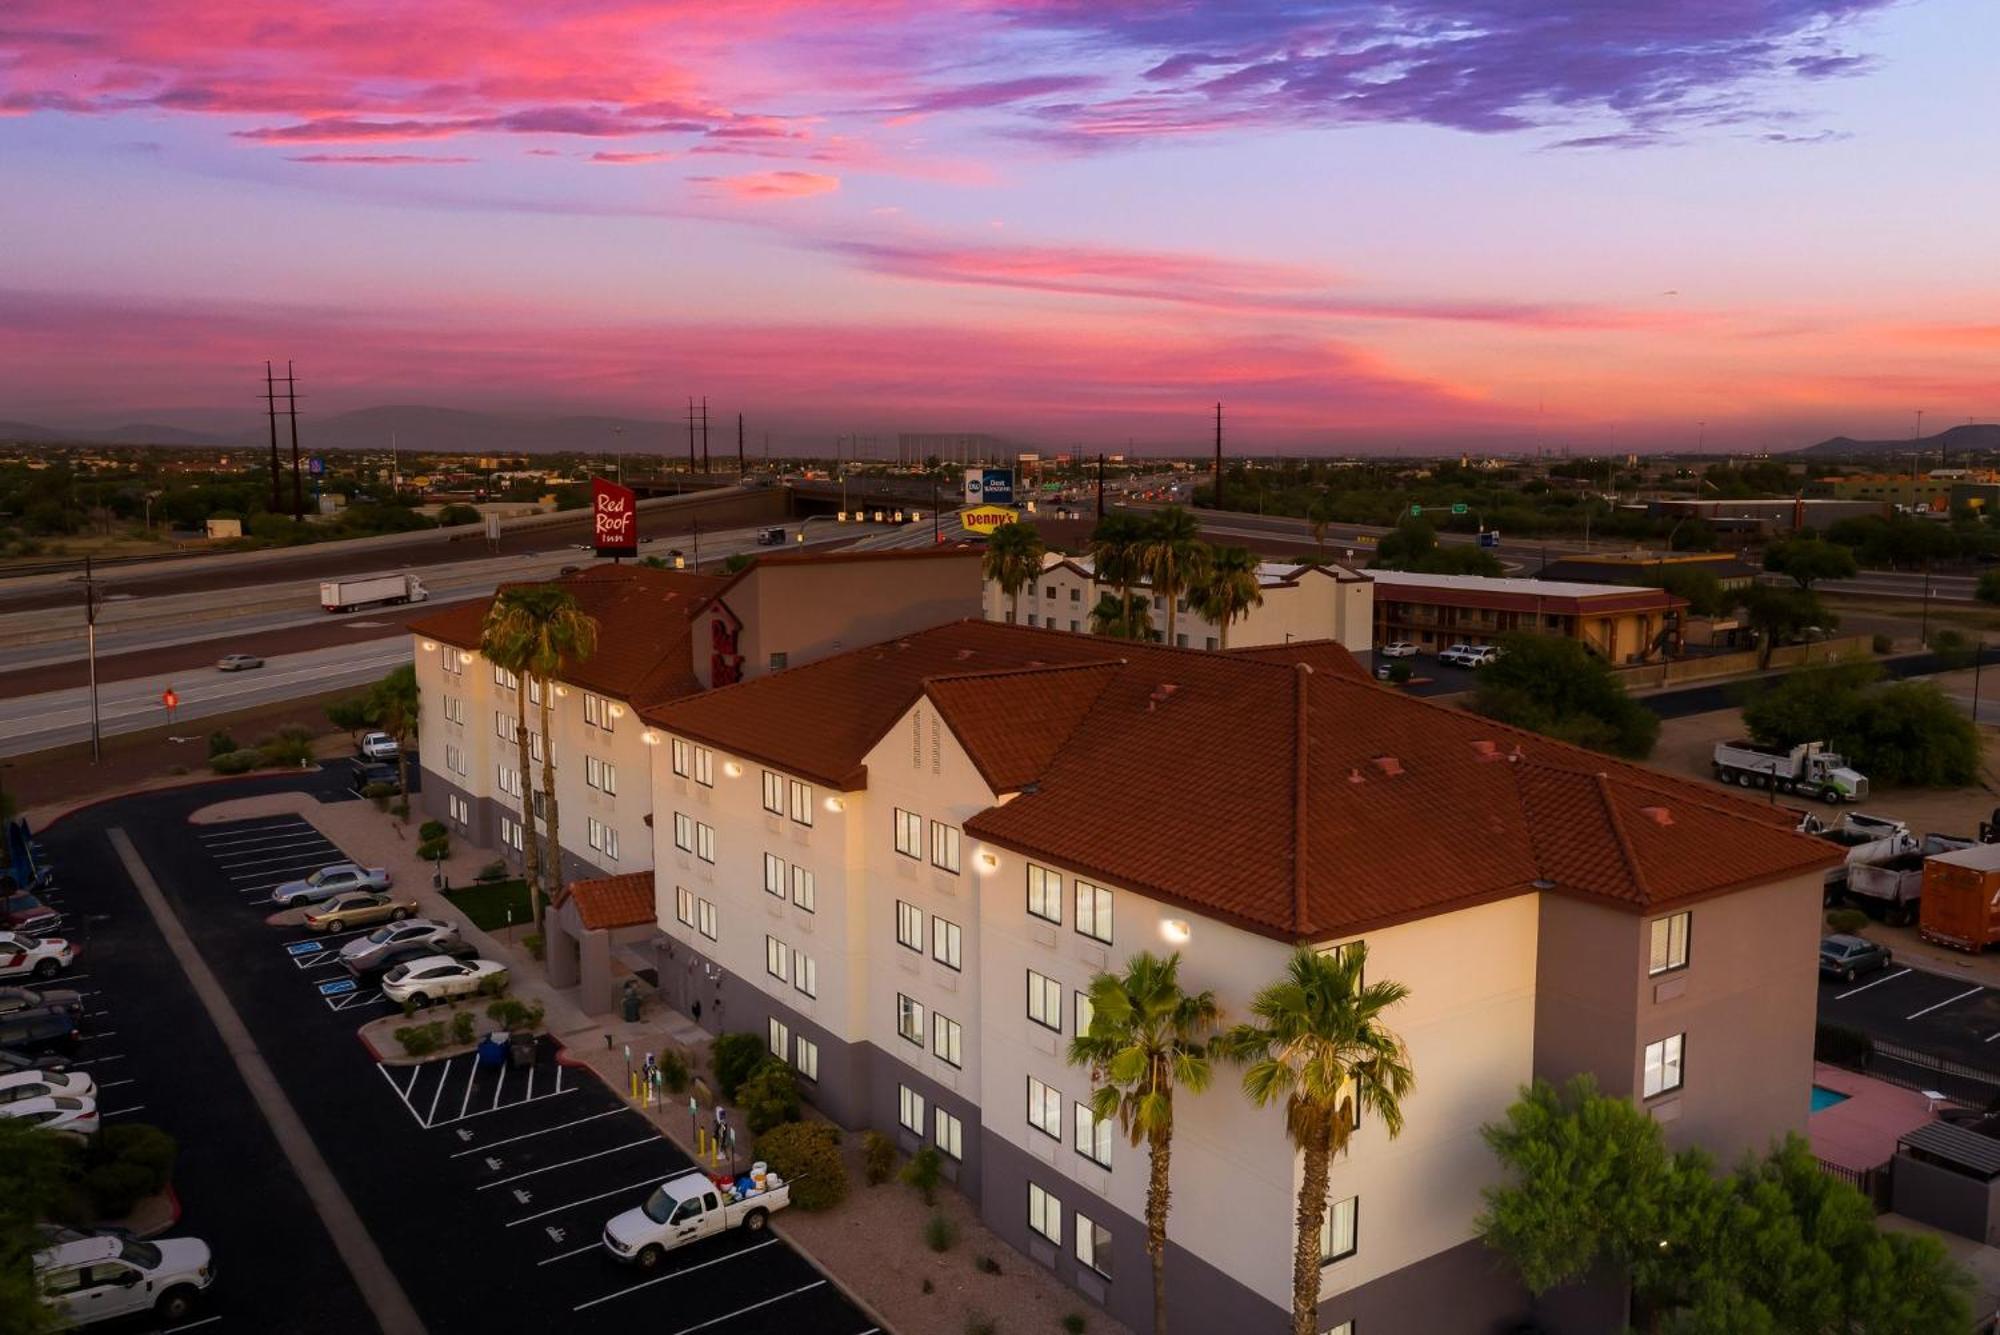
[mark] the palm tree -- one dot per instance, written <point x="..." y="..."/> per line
<point x="1174" y="557"/>
<point x="553" y="631"/>
<point x="1013" y="560"/>
<point x="1229" y="588"/>
<point x="1114" y="559"/>
<point x="1319" y="514"/>
<point x="506" y="648"/>
<point x="395" y="703"/>
<point x="1147" y="1038"/>
<point x="1125" y="621"/>
<point x="1318" y="1043"/>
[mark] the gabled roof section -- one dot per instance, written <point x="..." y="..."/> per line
<point x="1012" y="723"/>
<point x="614" y="901"/>
<point x="1329" y="656"/>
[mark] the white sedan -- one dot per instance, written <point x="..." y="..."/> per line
<point x="437" y="977"/>
<point x="20" y="1086"/>
<point x="35" y="956"/>
<point x="1398" y="649"/>
<point x="56" y="1112"/>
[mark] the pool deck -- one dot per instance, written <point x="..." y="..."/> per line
<point x="1860" y="1132"/>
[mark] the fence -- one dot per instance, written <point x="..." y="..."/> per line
<point x="1674" y="671"/>
<point x="1923" y="1071"/>
<point x="1870" y="1182"/>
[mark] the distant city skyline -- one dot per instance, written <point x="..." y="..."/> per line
<point x="1438" y="224"/>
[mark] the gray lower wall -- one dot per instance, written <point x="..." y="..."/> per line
<point x="483" y="829"/>
<point x="1937" y="1196"/>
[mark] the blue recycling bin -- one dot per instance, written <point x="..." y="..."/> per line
<point x="492" y="1050"/>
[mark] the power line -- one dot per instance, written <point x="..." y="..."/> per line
<point x="292" y="409"/>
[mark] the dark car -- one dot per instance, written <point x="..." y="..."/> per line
<point x="1848" y="957"/>
<point x="375" y="771"/>
<point x="12" y="1062"/>
<point x="14" y="999"/>
<point x="377" y="965"/>
<point x="20" y="911"/>
<point x="49" y="1029"/>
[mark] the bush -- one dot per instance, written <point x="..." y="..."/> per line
<point x="807" y="1155"/>
<point x="1399" y="672"/>
<point x="379" y="793"/>
<point x="735" y="1055"/>
<point x="286" y="751"/>
<point x="986" y="1265"/>
<point x="924" y="1171"/>
<point x="511" y="1014"/>
<point x="1846" y="920"/>
<point x="400" y="808"/>
<point x="535" y="944"/>
<point x="220" y="744"/>
<point x="1953" y="648"/>
<point x="493" y="984"/>
<point x="462" y="1026"/>
<point x="940" y="1234"/>
<point x="434" y="850"/>
<point x="1837" y="1045"/>
<point x="980" y="1324"/>
<point x="235" y="762"/>
<point x="115" y="1189"/>
<point x="495" y="870"/>
<point x="1555" y="686"/>
<point x="433" y="829"/>
<point x="1882" y="644"/>
<point x="453" y="515"/>
<point x="878" y="1158"/>
<point x="420" y="1040"/>
<point x="1075" y="1323"/>
<point x="674" y="1071"/>
<point x="769" y="1096"/>
<point x="126" y="1164"/>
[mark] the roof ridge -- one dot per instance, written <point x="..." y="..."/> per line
<point x="1026" y="670"/>
<point x="1302" y="675"/>
<point x="1666" y="785"/>
<point x="1601" y="782"/>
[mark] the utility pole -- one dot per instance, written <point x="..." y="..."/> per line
<point x="690" y="437"/>
<point x="1218" y="456"/>
<point x="704" y="433"/>
<point x="1100" y="488"/>
<point x="90" y="638"/>
<point x="271" y="410"/>
<point x="292" y="409"/>
<point x="741" y="468"/>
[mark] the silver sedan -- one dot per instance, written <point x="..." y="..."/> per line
<point x="238" y="662"/>
<point x="359" y="953"/>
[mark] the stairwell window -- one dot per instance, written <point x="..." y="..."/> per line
<point x="1044" y="893"/>
<point x="1663" y="1066"/>
<point x="774" y="793"/>
<point x="1669" y="944"/>
<point x="1045" y="1109"/>
<point x="909" y="834"/>
<point x="1093" y="1245"/>
<point x="803" y="892"/>
<point x="1093" y="911"/>
<point x="1339" y="1232"/>
<point x="910" y="1024"/>
<point x="944" y="847"/>
<point x="1045" y="1001"/>
<point x="1044" y="1214"/>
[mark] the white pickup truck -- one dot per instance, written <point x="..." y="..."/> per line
<point x="682" y="1210"/>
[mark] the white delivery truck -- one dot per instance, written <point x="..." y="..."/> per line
<point x="685" y="1209"/>
<point x="344" y="595"/>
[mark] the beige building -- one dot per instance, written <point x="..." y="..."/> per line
<point x="904" y="867"/>
<point x="1301" y="602"/>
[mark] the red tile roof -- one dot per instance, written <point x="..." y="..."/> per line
<point x="643" y="652"/>
<point x="1278" y="788"/>
<point x="614" y="901"/>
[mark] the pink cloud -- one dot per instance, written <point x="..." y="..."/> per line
<point x="773" y="185"/>
<point x="379" y="160"/>
<point x="632" y="159"/>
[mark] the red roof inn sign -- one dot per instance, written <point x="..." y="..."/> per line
<point x="614" y="512"/>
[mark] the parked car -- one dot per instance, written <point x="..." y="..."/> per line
<point x="1848" y="957"/>
<point x="1453" y="653"/>
<point x="12" y="1060"/>
<point x="379" y="746"/>
<point x="106" y="1277"/>
<point x="376" y="771"/>
<point x="44" y="1030"/>
<point x="682" y="1210"/>
<point x="359" y="908"/>
<point x="327" y="882"/>
<point x="1397" y="649"/>
<point x="18" y="1085"/>
<point x="60" y="1113"/>
<point x="436" y="978"/>
<point x="238" y="662"/>
<point x="20" y="911"/>
<point x="36" y="956"/>
<point x="1471" y="655"/>
<point x="35" y="998"/>
<point x="388" y="957"/>
<point x="363" y="950"/>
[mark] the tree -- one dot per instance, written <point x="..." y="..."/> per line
<point x="1131" y="620"/>
<point x="1228" y="589"/>
<point x="1147" y="1039"/>
<point x="1906" y="732"/>
<point x="1319" y="515"/>
<point x="1318" y="1043"/>
<point x="1704" y="592"/>
<point x="1551" y="684"/>
<point x="393" y="705"/>
<point x="1809" y="560"/>
<point x="351" y="715"/>
<point x="1115" y="546"/>
<point x="1174" y="557"/>
<point x="1459" y="559"/>
<point x="453" y="515"/>
<point x="1411" y="540"/>
<point x="1782" y="615"/>
<point x="1013" y="560"/>
<point x="35" y="1180"/>
<point x="1989" y="587"/>
<point x="504" y="645"/>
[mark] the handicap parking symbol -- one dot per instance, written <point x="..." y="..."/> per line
<point x="298" y="948"/>
<point x="336" y="987"/>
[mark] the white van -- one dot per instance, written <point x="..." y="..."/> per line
<point x="102" y="1278"/>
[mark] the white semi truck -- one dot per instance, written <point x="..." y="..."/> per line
<point x="1808" y="769"/>
<point x="344" y="595"/>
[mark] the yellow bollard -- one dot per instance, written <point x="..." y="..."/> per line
<point x="701" y="1142"/>
<point x="635" y="1084"/>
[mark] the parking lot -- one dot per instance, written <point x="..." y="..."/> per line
<point x="1950" y="1017"/>
<point x="485" y="1187"/>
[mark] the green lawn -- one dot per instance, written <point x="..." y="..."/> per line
<point x="487" y="905"/>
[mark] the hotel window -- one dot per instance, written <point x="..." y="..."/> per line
<point x="1031" y="619"/>
<point x="461" y="810"/>
<point x="1045" y="1108"/>
<point x="448" y="659"/>
<point x="597" y="711"/>
<point x="802" y="802"/>
<point x="1663" y="1066"/>
<point x="910" y="1109"/>
<point x="910" y="926"/>
<point x="774" y="794"/>
<point x="909" y="833"/>
<point x="681" y="750"/>
<point x="774" y="875"/>
<point x="803" y="893"/>
<point x="454" y="709"/>
<point x="510" y="781"/>
<point x="1339" y="1233"/>
<point x="947" y="940"/>
<point x="944" y="846"/>
<point x="1093" y="911"/>
<point x="1044" y="1214"/>
<point x="611" y="843"/>
<point x="534" y="690"/>
<point x="947" y="1039"/>
<point x="781" y="1039"/>
<point x="777" y="959"/>
<point x="808" y="1058"/>
<point x="704" y="841"/>
<point x="1670" y="944"/>
<point x="595" y="832"/>
<point x="600" y="774"/>
<point x="1045" y="1001"/>
<point x="950" y="1135"/>
<point x="704" y="767"/>
<point x="684" y="905"/>
<point x="683" y="832"/>
<point x="503" y="725"/>
<point x="1084" y="1011"/>
<point x="805" y="973"/>
<point x="1093" y="1136"/>
<point x="910" y="1020"/>
<point x="1051" y="592"/>
<point x="535" y="746"/>
<point x="453" y="757"/>
<point x="707" y="921"/>
<point x="1093" y="1245"/>
<point x="510" y="833"/>
<point x="1044" y="893"/>
<point x="505" y="679"/>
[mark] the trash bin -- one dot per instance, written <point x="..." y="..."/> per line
<point x="628" y="1005"/>
<point x="492" y="1049"/>
<point x="521" y="1049"/>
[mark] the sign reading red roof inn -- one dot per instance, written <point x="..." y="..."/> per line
<point x="614" y="512"/>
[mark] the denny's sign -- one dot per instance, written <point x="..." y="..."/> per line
<point x="986" y="518"/>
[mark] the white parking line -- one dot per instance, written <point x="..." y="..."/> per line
<point x="580" y="1251"/>
<point x="276" y="851"/>
<point x="558" y="1209"/>
<point x="499" y="1085"/>
<point x="99" y="1061"/>
<point x="1885" y="978"/>
<point x="689" y="1270"/>
<point x="120" y="1112"/>
<point x="250" y="836"/>
<point x="585" y="1158"/>
<point x="188" y="1325"/>
<point x="302" y="857"/>
<point x="506" y="1107"/>
<point x="1969" y="992"/>
<point x="471" y="1074"/>
<point x="403" y="1094"/>
<point x="108" y="1033"/>
<point x="530" y="1135"/>
<point x="435" y="1094"/>
<point x="113" y="1084"/>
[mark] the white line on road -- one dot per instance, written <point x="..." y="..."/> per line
<point x="584" y="1158"/>
<point x="580" y="1251"/>
<point x="1885" y="978"/>
<point x="530" y="1135"/>
<point x="506" y="1107"/>
<point x="689" y="1270"/>
<point x="431" y="1118"/>
<point x="250" y="854"/>
<point x="558" y="1209"/>
<point x="120" y="1112"/>
<point x="402" y="1094"/>
<point x="229" y="837"/>
<point x="1969" y="992"/>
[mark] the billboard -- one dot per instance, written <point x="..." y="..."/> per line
<point x="614" y="519"/>
<point x="989" y="486"/>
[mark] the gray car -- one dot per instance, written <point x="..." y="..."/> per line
<point x="238" y="662"/>
<point x="360" y="953"/>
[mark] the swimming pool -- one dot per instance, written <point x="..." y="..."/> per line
<point x="1824" y="1098"/>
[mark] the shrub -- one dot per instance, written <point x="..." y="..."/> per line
<point x="289" y="747"/>
<point x="878" y="1158"/>
<point x="735" y="1055"/>
<point x="400" y="808"/>
<point x="493" y="984"/>
<point x="461" y="1027"/>
<point x="535" y="944"/>
<point x="379" y="793"/>
<point x="923" y="1172"/>
<point x="420" y="1040"/>
<point x="807" y="1155"/>
<point x="940" y="1234"/>
<point x="434" y="850"/>
<point x="146" y="1146"/>
<point x="432" y="829"/>
<point x="986" y="1265"/>
<point x="1846" y="920"/>
<point x="126" y="1164"/>
<point x="674" y="1071"/>
<point x="980" y="1324"/>
<point x="495" y="870"/>
<point x="115" y="1189"/>
<point x="235" y="762"/>
<point x="1076" y="1323"/>
<point x="769" y="1096"/>
<point x="511" y="1014"/>
<point x="1399" y="672"/>
<point x="1838" y="1045"/>
<point x="220" y="744"/>
<point x="1882" y="644"/>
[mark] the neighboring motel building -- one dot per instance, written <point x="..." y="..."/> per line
<point x="1301" y="602"/>
<point x="1619" y="624"/>
<point x="903" y="864"/>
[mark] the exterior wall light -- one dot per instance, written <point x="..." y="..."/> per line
<point x="464" y="657"/>
<point x="836" y="804"/>
<point x="430" y="646"/>
<point x="650" y="737"/>
<point x="617" y="711"/>
<point x="562" y="691"/>
<point x="1176" y="930"/>
<point x="732" y="769"/>
<point x="988" y="861"/>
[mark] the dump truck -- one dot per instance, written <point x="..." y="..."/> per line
<point x="344" y="595"/>
<point x="1866" y="839"/>
<point x="1961" y="899"/>
<point x="1808" y="769"/>
<point x="1894" y="886"/>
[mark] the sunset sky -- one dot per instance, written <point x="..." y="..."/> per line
<point x="1360" y="224"/>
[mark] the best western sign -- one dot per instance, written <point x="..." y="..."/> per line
<point x="614" y="514"/>
<point x="986" y="518"/>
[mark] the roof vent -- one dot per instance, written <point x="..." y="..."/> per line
<point x="962" y="655"/>
<point x="1657" y="815"/>
<point x="1354" y="776"/>
<point x="1161" y="694"/>
<point x="1486" y="750"/>
<point x="1389" y="765"/>
<point x="1543" y="883"/>
<point x="1517" y="753"/>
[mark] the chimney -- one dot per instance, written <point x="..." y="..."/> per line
<point x="1161" y="694"/>
<point x="1389" y="765"/>
<point x="1657" y="815"/>
<point x="1484" y="750"/>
